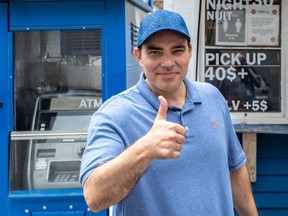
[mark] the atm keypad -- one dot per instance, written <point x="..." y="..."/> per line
<point x="66" y="177"/>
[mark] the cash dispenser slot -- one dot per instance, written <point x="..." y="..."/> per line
<point x="63" y="171"/>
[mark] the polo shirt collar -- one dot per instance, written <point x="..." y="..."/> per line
<point x="192" y="98"/>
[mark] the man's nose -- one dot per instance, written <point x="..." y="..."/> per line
<point x="167" y="61"/>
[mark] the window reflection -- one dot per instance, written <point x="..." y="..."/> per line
<point x="57" y="88"/>
<point x="52" y="62"/>
<point x="249" y="80"/>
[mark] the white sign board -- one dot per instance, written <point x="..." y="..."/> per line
<point x="263" y="25"/>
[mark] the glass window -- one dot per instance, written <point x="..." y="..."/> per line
<point x="57" y="88"/>
<point x="55" y="64"/>
<point x="248" y="79"/>
<point x="243" y="53"/>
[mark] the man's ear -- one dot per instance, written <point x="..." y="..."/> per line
<point x="190" y="50"/>
<point x="137" y="54"/>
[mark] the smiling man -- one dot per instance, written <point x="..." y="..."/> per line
<point x="167" y="145"/>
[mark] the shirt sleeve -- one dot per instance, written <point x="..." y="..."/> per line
<point x="236" y="155"/>
<point x="103" y="144"/>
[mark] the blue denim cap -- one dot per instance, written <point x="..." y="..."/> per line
<point x="161" y="20"/>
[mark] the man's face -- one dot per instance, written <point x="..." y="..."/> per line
<point x="165" y="58"/>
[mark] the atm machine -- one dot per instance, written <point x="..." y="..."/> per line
<point x="55" y="163"/>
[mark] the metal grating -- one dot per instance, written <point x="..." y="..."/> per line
<point x="81" y="42"/>
<point x="133" y="32"/>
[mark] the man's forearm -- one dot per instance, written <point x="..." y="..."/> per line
<point x="242" y="194"/>
<point x="112" y="181"/>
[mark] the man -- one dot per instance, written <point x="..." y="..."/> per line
<point x="167" y="145"/>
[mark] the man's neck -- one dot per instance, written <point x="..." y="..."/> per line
<point x="176" y="98"/>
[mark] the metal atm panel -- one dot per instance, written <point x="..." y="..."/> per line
<point x="55" y="163"/>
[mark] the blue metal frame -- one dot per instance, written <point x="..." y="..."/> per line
<point x="4" y="110"/>
<point x="47" y="202"/>
<point x="109" y="16"/>
<point x="115" y="44"/>
<point x="74" y="13"/>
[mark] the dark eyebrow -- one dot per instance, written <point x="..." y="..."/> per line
<point x="152" y="47"/>
<point x="179" y="47"/>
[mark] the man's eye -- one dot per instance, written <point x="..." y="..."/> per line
<point x="179" y="51"/>
<point x="155" y="52"/>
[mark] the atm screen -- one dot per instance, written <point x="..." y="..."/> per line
<point x="80" y="122"/>
<point x="57" y="121"/>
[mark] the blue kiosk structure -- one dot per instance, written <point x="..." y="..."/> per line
<point x="59" y="60"/>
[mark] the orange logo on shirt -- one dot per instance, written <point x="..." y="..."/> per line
<point x="214" y="124"/>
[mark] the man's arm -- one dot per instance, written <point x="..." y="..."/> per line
<point x="111" y="182"/>
<point x="242" y="194"/>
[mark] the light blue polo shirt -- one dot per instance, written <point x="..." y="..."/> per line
<point x="198" y="182"/>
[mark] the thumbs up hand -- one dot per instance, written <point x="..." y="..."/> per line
<point x="165" y="138"/>
<point x="162" y="111"/>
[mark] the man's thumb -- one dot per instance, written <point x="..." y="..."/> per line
<point x="162" y="111"/>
